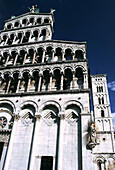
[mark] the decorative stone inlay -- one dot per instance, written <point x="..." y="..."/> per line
<point x="61" y="115"/>
<point x="27" y="118"/>
<point x="38" y="117"/>
<point x="72" y="117"/>
<point x="50" y="118"/>
<point x="3" y="122"/>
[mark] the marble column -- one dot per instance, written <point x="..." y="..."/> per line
<point x="33" y="60"/>
<point x="63" y="54"/>
<point x="85" y="80"/>
<point x="43" y="56"/>
<point x="7" y="60"/>
<point x="73" y="82"/>
<point x="6" y="40"/>
<point x="14" y="39"/>
<point x="53" y="52"/>
<point x="29" y="81"/>
<point x="39" y="83"/>
<point x="22" y="38"/>
<point x="25" y="58"/>
<point x="73" y="56"/>
<point x="10" y="146"/>
<point x="62" y="78"/>
<point x="8" y="86"/>
<point x="18" y="85"/>
<point x="35" y="142"/>
<point x="50" y="83"/>
<point x="15" y="59"/>
<point x="61" y="138"/>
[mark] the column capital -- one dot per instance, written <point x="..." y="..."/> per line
<point x="61" y="115"/>
<point x="73" y="71"/>
<point x="16" y="117"/>
<point x="62" y="72"/>
<point x="51" y="73"/>
<point x="63" y="51"/>
<point x="40" y="74"/>
<point x="44" y="49"/>
<point x="53" y="50"/>
<point x="10" y="77"/>
<point x="38" y="117"/>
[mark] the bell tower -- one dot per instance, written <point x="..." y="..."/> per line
<point x="102" y="118"/>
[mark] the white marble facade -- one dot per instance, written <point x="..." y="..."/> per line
<point x="45" y="101"/>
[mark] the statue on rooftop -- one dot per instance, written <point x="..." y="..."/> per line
<point x="52" y="11"/>
<point x="34" y="8"/>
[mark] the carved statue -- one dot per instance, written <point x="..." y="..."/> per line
<point x="22" y="85"/>
<point x="93" y="133"/>
<point x="34" y="8"/>
<point x="52" y="11"/>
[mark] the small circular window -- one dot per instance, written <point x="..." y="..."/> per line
<point x="3" y="122"/>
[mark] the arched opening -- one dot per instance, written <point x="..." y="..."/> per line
<point x="67" y="83"/>
<point x="100" y="88"/>
<point x="48" y="54"/>
<point x="102" y="100"/>
<point x="11" y="59"/>
<point x="24" y="82"/>
<point x="24" y="22"/>
<point x="17" y="24"/>
<point x="102" y="113"/>
<point x="34" y="37"/>
<point x="79" y="78"/>
<point x="99" y="100"/>
<point x="3" y="41"/>
<point x="29" y="57"/>
<point x="79" y="54"/>
<point x="97" y="89"/>
<point x="18" y="39"/>
<point x="34" y="81"/>
<point x="68" y="54"/>
<point x="3" y="59"/>
<point x="39" y="21"/>
<point x="43" y="35"/>
<point x="4" y="83"/>
<point x="45" y="80"/>
<point x="56" y="80"/>
<point x="10" y="40"/>
<point x="31" y="21"/>
<point x="9" y="26"/>
<point x="20" y="58"/>
<point x="58" y="55"/>
<point x="14" y="82"/>
<point x="39" y="55"/>
<point x="26" y="37"/>
<point x="46" y="20"/>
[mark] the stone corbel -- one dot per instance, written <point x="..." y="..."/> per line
<point x="61" y="115"/>
<point x="16" y="117"/>
<point x="38" y="117"/>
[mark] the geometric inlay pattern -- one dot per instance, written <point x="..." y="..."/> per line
<point x="27" y="118"/>
<point x="72" y="117"/>
<point x="49" y="118"/>
<point x="3" y="121"/>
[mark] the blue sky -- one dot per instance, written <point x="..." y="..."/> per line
<point x="92" y="21"/>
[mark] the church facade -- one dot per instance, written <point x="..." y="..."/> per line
<point x="46" y="122"/>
